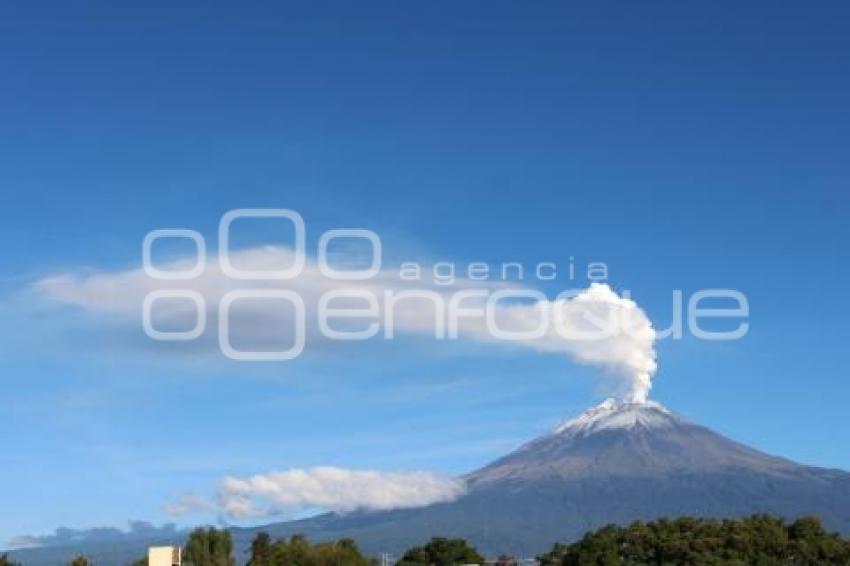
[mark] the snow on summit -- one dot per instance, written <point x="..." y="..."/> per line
<point x="617" y="414"/>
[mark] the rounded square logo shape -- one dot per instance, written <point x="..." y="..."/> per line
<point x="268" y="355"/>
<point x="153" y="271"/>
<point x="180" y="335"/>
<point x="343" y="274"/>
<point x="261" y="274"/>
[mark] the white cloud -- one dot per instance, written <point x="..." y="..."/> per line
<point x="334" y="489"/>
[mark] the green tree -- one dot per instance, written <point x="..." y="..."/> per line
<point x="441" y="552"/>
<point x="261" y="550"/>
<point x="79" y="561"/>
<point x="209" y="547"/>
<point x="298" y="551"/>
<point x="6" y="561"/>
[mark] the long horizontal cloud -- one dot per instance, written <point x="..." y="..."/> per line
<point x="625" y="347"/>
<point x="334" y="489"/>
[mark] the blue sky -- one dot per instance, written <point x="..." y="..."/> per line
<point x="687" y="147"/>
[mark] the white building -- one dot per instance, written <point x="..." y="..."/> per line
<point x="164" y="556"/>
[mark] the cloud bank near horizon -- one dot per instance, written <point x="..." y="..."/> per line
<point x="65" y="536"/>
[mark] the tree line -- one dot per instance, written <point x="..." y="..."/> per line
<point x="212" y="547"/>
<point x="759" y="539"/>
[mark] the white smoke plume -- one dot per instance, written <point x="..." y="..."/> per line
<point x="334" y="489"/>
<point x="600" y="328"/>
<point x="595" y="326"/>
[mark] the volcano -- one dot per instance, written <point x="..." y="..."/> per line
<point x="615" y="463"/>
